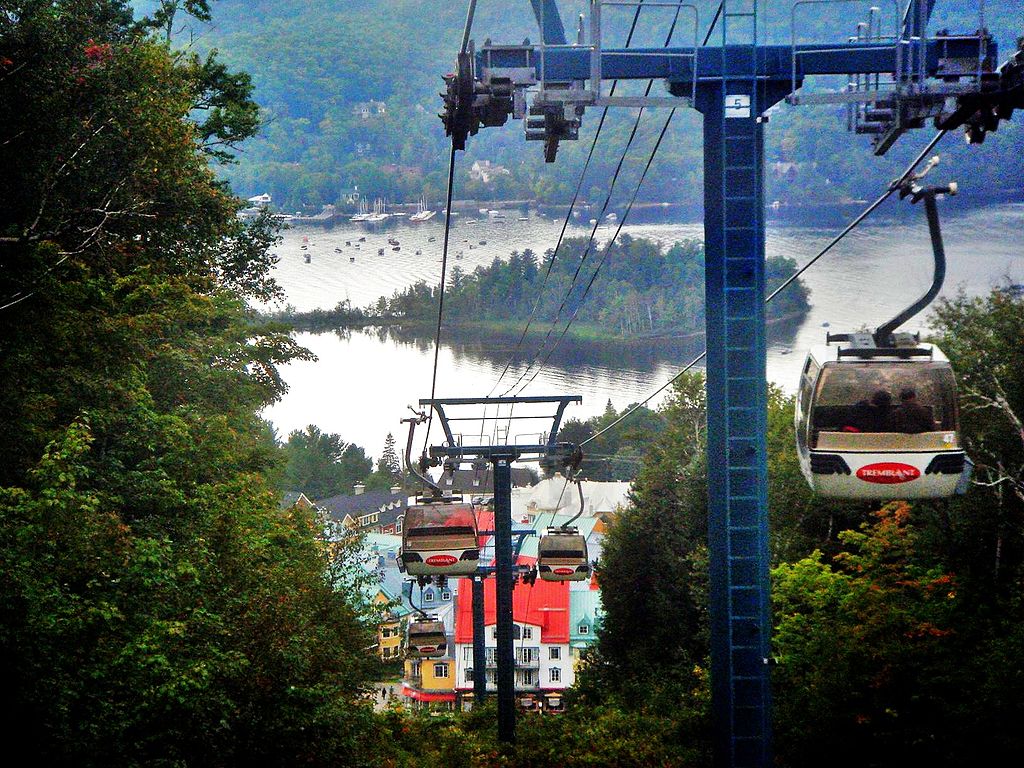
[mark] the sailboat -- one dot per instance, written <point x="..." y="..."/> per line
<point x="364" y="212"/>
<point x="422" y="212"/>
<point x="379" y="211"/>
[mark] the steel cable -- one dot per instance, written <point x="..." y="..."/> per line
<point x="650" y="83"/>
<point x="893" y="186"/>
<point x="568" y="217"/>
<point x="467" y="30"/>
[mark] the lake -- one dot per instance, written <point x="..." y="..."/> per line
<point x="363" y="381"/>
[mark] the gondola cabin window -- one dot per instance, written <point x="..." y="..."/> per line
<point x="440" y="539"/>
<point x="866" y="404"/>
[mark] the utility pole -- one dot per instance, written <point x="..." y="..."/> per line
<point x="503" y="586"/>
<point x="479" y="643"/>
<point x="452" y="452"/>
<point x="950" y="79"/>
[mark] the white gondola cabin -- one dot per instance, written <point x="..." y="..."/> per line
<point x="879" y="423"/>
<point x="440" y="539"/>
<point x="427" y="639"/>
<point x="562" y="556"/>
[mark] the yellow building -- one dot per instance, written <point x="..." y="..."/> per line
<point x="391" y="629"/>
<point x="430" y="683"/>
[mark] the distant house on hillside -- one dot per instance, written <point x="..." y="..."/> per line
<point x="409" y="171"/>
<point x="260" y="200"/>
<point x="367" y="109"/>
<point x="485" y="171"/>
<point x="785" y="170"/>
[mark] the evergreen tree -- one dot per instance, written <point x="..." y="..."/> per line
<point x="322" y="464"/>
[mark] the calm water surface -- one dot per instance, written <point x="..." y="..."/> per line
<point x="363" y="380"/>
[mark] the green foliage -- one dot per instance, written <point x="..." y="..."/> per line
<point x="314" y="146"/>
<point x="322" y="465"/>
<point x="865" y="650"/>
<point x="982" y="337"/>
<point x="616" y="454"/>
<point x="640" y="291"/>
<point x="157" y="607"/>
<point x="581" y="738"/>
<point x="655" y="551"/>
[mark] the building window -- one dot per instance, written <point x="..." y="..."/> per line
<point x="469" y="674"/>
<point x="554" y="653"/>
<point x="467" y="653"/>
<point x="526" y="678"/>
<point x="446" y="595"/>
<point x="527" y="655"/>
<point x="527" y="633"/>
<point x="440" y="670"/>
<point x="584" y="629"/>
<point x="555" y="675"/>
<point x="428" y="596"/>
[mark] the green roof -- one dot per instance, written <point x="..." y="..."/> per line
<point x="546" y="520"/>
<point x="584" y="608"/>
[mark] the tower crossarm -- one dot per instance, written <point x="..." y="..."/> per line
<point x="523" y="63"/>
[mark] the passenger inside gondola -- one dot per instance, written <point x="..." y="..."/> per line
<point x="910" y="416"/>
<point x="874" y="415"/>
<point x="864" y="398"/>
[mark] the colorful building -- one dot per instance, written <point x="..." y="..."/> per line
<point x="585" y="613"/>
<point x="543" y="664"/>
<point x="430" y="682"/>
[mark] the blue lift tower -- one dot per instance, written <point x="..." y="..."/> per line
<point x="896" y="76"/>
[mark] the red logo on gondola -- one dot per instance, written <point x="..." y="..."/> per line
<point x="442" y="560"/>
<point x="564" y="571"/>
<point x="888" y="473"/>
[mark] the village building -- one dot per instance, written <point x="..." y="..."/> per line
<point x="486" y="171"/>
<point x="379" y="511"/>
<point x="368" y="109"/>
<point x="543" y="664"/>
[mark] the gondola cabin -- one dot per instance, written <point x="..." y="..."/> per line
<point x="879" y="423"/>
<point x="440" y="539"/>
<point x="562" y="556"/>
<point x="427" y="639"/>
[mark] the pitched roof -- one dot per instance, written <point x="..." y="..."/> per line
<point x="544" y="604"/>
<point x="290" y="498"/>
<point x="584" y="608"/>
<point x="362" y="504"/>
<point x="552" y="493"/>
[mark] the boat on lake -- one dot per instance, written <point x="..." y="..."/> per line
<point x="364" y="212"/>
<point x="422" y="212"/>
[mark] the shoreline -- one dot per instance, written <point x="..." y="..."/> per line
<point x="512" y="328"/>
<point x="775" y="211"/>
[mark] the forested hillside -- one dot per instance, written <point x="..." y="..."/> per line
<point x="314" y="64"/>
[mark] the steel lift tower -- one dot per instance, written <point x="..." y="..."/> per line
<point x="896" y="78"/>
<point x="500" y="454"/>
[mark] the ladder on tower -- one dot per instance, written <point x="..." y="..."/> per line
<point x="743" y="280"/>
